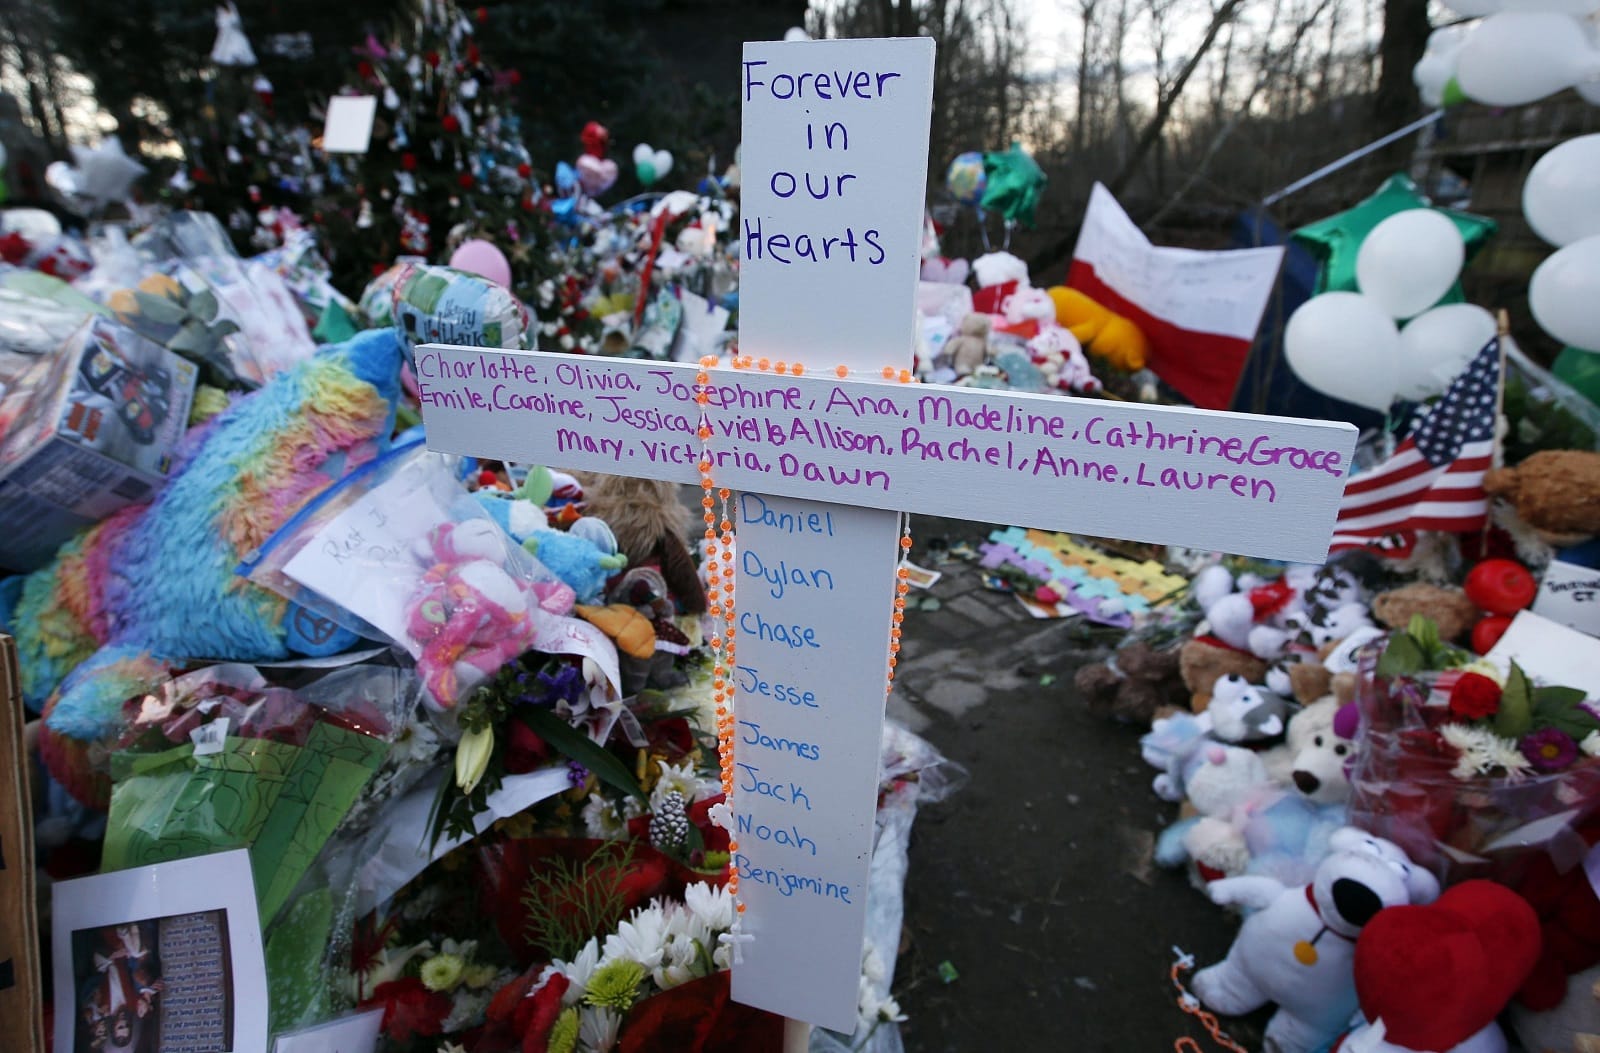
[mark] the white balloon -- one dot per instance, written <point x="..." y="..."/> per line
<point x="1436" y="345"/>
<point x="1344" y="345"/>
<point x="1518" y="57"/>
<point x="663" y="162"/>
<point x="642" y="153"/>
<point x="1473" y="8"/>
<point x="1410" y="260"/>
<point x="796" y="33"/>
<point x="1561" y="197"/>
<point x="1438" y="63"/>
<point x="1565" y="294"/>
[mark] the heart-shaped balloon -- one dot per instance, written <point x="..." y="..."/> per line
<point x="596" y="174"/>
<point x="1439" y="974"/>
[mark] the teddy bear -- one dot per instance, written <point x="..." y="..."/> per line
<point x="1556" y="492"/>
<point x="1134" y="684"/>
<point x="1027" y="311"/>
<point x="1447" y="606"/>
<point x="1243" y="712"/>
<point x="1298" y="949"/>
<point x="1220" y="782"/>
<point x="1059" y="357"/>
<point x="969" y="348"/>
<point x="1178" y="746"/>
<point x="1432" y="978"/>
<point x="1103" y="332"/>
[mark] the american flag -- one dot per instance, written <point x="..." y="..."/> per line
<point x="1434" y="481"/>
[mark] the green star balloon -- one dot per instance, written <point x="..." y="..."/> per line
<point x="1013" y="184"/>
<point x="1336" y="241"/>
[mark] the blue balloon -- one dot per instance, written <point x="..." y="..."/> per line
<point x="565" y="209"/>
<point x="566" y="178"/>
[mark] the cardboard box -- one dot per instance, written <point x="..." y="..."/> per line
<point x="21" y="1013"/>
<point x="86" y="431"/>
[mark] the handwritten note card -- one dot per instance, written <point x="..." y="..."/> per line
<point x="1570" y="594"/>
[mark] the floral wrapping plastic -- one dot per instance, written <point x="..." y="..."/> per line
<point x="1406" y="788"/>
<point x="399" y="551"/>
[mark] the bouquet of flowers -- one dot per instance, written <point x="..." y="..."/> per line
<point x="1467" y="766"/>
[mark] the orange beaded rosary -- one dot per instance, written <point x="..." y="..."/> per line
<point x="719" y="546"/>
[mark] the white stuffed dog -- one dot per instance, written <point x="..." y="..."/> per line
<point x="1298" y="950"/>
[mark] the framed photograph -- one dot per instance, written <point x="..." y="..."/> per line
<point x="161" y="959"/>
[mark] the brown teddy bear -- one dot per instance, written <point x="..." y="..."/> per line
<point x="1556" y="492"/>
<point x="970" y="348"/>
<point x="1135" y="685"/>
<point x="1202" y="662"/>
<point x="1448" y="607"/>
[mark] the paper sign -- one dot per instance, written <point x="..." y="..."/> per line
<point x="164" y="957"/>
<point x="348" y="128"/>
<point x="1264" y="486"/>
<point x="1550" y="653"/>
<point x="1570" y="594"/>
<point x="20" y="996"/>
<point x="357" y="1033"/>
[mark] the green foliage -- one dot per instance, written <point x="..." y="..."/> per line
<point x="1540" y="424"/>
<point x="1514" y="718"/>
<point x="1419" y="649"/>
<point x="570" y="901"/>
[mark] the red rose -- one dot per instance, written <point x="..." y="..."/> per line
<point x="409" y="1008"/>
<point x="1474" y="697"/>
<point x="525" y="750"/>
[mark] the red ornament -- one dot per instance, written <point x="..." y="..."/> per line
<point x="451" y="123"/>
<point x="472" y="54"/>
<point x="595" y="139"/>
<point x="364" y="69"/>
<point x="1474" y="697"/>
<point x="524" y="170"/>
<point x="465" y="180"/>
<point x="483" y="14"/>
<point x="514" y="77"/>
<point x="1488" y="631"/>
<point x="408" y="161"/>
<point x="1501" y="586"/>
<point x="432" y="59"/>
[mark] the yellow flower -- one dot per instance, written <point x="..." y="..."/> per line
<point x="472" y="757"/>
<point x="479" y="975"/>
<point x="442" y="972"/>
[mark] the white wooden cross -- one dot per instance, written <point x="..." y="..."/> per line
<point x="834" y="171"/>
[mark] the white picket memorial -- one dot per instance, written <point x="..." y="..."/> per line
<point x="833" y="178"/>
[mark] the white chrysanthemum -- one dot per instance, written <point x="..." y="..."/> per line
<point x="1591" y="744"/>
<point x="578" y="971"/>
<point x="872" y="965"/>
<point x="466" y="1010"/>
<point x="676" y="778"/>
<point x="679" y="964"/>
<point x="712" y="904"/>
<point x="722" y="957"/>
<point x="889" y="1011"/>
<point x="642" y="938"/>
<point x="602" y="821"/>
<point x="1482" y="752"/>
<point x="465" y="949"/>
<point x="597" y="1028"/>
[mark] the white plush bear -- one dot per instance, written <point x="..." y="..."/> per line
<point x="1322" y="746"/>
<point x="1060" y="358"/>
<point x="1298" y="950"/>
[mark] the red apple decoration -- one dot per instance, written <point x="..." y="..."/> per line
<point x="1488" y="631"/>
<point x="1501" y="586"/>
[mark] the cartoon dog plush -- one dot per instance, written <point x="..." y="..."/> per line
<point x="1244" y="712"/>
<point x="1298" y="950"/>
